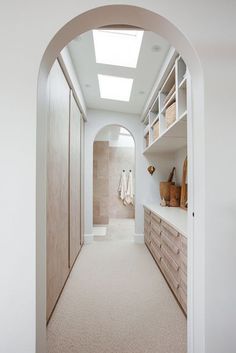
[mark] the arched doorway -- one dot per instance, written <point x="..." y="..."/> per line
<point x="122" y="15"/>
<point x="113" y="184"/>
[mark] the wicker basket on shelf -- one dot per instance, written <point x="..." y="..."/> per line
<point x="171" y="91"/>
<point x="170" y="115"/>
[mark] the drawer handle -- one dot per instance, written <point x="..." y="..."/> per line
<point x="156" y="219"/>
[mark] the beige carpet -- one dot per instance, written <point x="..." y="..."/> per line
<point x="116" y="301"/>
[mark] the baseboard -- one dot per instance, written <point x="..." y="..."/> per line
<point x="139" y="238"/>
<point x="88" y="238"/>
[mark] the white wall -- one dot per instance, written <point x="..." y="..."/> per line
<point x="26" y="28"/>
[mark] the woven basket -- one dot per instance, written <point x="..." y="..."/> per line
<point x="170" y="115"/>
<point x="156" y="130"/>
<point x="171" y="91"/>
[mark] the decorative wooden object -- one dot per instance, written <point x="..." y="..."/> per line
<point x="184" y="187"/>
<point x="151" y="169"/>
<point x="165" y="188"/>
<point x="175" y="192"/>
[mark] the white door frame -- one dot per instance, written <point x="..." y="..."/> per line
<point x="139" y="17"/>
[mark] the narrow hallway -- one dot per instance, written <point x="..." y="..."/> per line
<point x="116" y="300"/>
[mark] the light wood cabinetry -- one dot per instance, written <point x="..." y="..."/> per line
<point x="169" y="249"/>
<point x="57" y="186"/>
<point x="75" y="182"/>
<point x="64" y="183"/>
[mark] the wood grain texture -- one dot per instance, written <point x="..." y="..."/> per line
<point x="75" y="181"/>
<point x="82" y="180"/>
<point x="57" y="186"/>
<point x="101" y="182"/>
<point x="184" y="186"/>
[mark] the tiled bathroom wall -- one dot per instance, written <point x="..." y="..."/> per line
<point x="101" y="182"/>
<point x="108" y="164"/>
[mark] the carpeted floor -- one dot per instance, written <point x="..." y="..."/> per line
<point x="116" y="301"/>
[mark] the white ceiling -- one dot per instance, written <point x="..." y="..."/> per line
<point x="152" y="54"/>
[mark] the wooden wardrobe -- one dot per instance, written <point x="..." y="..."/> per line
<point x="64" y="184"/>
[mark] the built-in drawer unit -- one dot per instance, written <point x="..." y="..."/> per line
<point x="169" y="249"/>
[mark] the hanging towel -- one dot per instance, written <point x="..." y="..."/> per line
<point x="122" y="186"/>
<point x="129" y="197"/>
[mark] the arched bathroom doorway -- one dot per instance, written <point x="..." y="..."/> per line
<point x="142" y="18"/>
<point x="113" y="184"/>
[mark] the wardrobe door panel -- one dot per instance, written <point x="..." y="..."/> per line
<point x="75" y="181"/>
<point x="57" y="186"/>
<point x="82" y="180"/>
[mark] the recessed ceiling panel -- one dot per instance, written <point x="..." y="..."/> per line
<point x="116" y="88"/>
<point x="117" y="47"/>
<point x="144" y="75"/>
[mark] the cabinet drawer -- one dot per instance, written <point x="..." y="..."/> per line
<point x="183" y="281"/>
<point x="174" y="248"/>
<point x="174" y="283"/>
<point x="175" y="266"/>
<point x="155" y="219"/>
<point x="147" y="212"/>
<point x="156" y="242"/>
<point x="183" y="260"/>
<point x="184" y="244"/>
<point x="147" y="223"/>
<point x="170" y="229"/>
<point x="156" y="230"/>
<point x="147" y="236"/>
<point x="156" y="252"/>
<point x="183" y="299"/>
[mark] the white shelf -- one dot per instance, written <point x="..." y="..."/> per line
<point x="172" y="139"/>
<point x="174" y="216"/>
<point x="155" y="120"/>
<point x="183" y="83"/>
<point x="170" y="100"/>
<point x="183" y="116"/>
<point x="146" y="130"/>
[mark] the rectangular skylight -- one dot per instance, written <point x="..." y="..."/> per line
<point x="117" y="47"/>
<point x="116" y="88"/>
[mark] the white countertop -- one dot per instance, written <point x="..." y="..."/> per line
<point x="175" y="216"/>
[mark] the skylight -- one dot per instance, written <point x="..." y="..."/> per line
<point x="116" y="88"/>
<point x="117" y="47"/>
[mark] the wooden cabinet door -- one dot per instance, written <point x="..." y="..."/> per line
<point x="75" y="180"/>
<point x="57" y="186"/>
<point x="82" y="180"/>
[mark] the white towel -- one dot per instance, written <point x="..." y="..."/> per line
<point x="122" y="186"/>
<point x="129" y="197"/>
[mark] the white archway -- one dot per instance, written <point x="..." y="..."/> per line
<point x="150" y="21"/>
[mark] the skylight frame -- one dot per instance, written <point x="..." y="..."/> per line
<point x="117" y="47"/>
<point x="115" y="88"/>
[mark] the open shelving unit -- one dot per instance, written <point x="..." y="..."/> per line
<point x="165" y="122"/>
